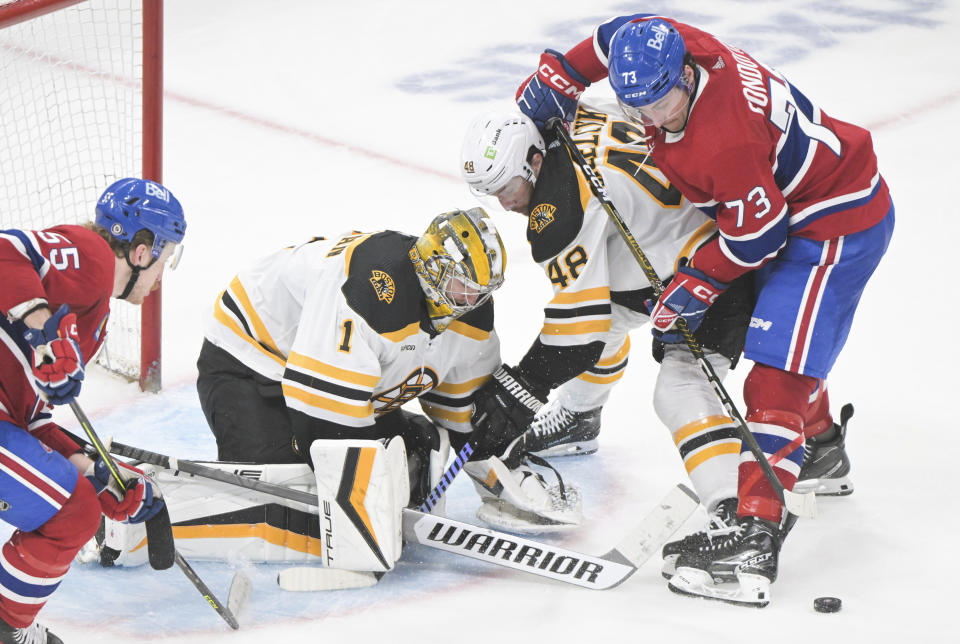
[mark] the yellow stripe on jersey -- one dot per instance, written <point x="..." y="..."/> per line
<point x="695" y="239"/>
<point x="577" y="328"/>
<point x="362" y="410"/>
<point x="243" y="300"/>
<point x="472" y="332"/>
<point x="601" y="380"/>
<point x="361" y="481"/>
<point x="584" y="186"/>
<point x="348" y="254"/>
<point x="586" y="295"/>
<point x="698" y="426"/>
<point x="398" y="336"/>
<point x="446" y="414"/>
<point x="616" y="358"/>
<point x="224" y="318"/>
<point x="338" y="373"/>
<point x="455" y="388"/>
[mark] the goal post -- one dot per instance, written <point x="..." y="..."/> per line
<point x="81" y="94"/>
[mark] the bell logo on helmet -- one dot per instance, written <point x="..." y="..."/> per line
<point x="659" y="35"/>
<point x="154" y="190"/>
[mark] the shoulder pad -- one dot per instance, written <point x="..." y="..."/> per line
<point x="381" y="284"/>
<point x="480" y="318"/>
<point x="556" y="208"/>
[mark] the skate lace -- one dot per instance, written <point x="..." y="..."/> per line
<point x="536" y="460"/>
<point x="554" y="421"/>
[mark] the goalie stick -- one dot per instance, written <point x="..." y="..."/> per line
<point x="498" y="548"/>
<point x="800" y="504"/>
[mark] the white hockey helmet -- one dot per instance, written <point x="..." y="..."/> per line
<point x="499" y="146"/>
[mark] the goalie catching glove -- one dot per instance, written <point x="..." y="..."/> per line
<point x="503" y="410"/>
<point x="134" y="504"/>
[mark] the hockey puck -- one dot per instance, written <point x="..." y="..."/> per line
<point x="827" y="604"/>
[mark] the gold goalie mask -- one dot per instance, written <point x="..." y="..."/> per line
<point x="460" y="261"/>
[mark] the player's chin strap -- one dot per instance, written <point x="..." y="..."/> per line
<point x="135" y="275"/>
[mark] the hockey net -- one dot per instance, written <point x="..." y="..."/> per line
<point x="81" y="109"/>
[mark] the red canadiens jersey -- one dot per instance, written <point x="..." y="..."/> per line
<point x="63" y="265"/>
<point x="760" y="158"/>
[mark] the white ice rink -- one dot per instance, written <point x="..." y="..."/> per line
<point x="290" y="119"/>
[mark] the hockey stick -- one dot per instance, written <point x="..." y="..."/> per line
<point x="160" y="547"/>
<point x="494" y="547"/>
<point x="434" y="497"/>
<point x="800" y="504"/>
<point x="160" y="533"/>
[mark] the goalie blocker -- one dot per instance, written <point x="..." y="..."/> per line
<point x="362" y="487"/>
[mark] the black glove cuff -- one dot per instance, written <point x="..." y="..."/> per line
<point x="513" y="384"/>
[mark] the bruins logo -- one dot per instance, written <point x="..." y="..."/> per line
<point x="384" y="286"/>
<point x="417" y="382"/>
<point x="541" y="217"/>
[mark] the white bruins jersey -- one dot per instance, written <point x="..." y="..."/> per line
<point x="342" y="324"/>
<point x="580" y="248"/>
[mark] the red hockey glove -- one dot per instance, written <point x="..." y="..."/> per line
<point x="134" y="504"/>
<point x="553" y="90"/>
<point x="57" y="362"/>
<point x="689" y="294"/>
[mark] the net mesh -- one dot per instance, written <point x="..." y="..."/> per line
<point x="71" y="105"/>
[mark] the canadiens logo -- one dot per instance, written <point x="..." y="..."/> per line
<point x="384" y="286"/>
<point x="541" y="217"/>
<point x="418" y="382"/>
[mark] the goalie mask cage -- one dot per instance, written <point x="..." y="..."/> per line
<point x="80" y="98"/>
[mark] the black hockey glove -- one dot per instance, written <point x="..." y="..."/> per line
<point x="502" y="410"/>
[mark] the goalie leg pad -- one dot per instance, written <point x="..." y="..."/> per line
<point x="520" y="500"/>
<point x="362" y="487"/>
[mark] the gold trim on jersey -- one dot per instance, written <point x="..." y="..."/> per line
<point x="576" y="328"/>
<point x="243" y="300"/>
<point x="586" y="295"/>
<point x="224" y="318"/>
<point x="346" y="375"/>
<point x="472" y="332"/>
<point x="360" y="410"/>
<point x="617" y="357"/>
<point x="447" y="414"/>
<point x="402" y="334"/>
<point x="601" y="380"/>
<point x="455" y="388"/>
<point x="694" y="241"/>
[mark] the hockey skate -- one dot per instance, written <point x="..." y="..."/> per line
<point x="826" y="467"/>
<point x="737" y="569"/>
<point x="720" y="523"/>
<point x="557" y="431"/>
<point x="33" y="634"/>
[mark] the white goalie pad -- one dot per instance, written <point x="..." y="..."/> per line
<point x="218" y="521"/>
<point x="362" y="487"/>
<point x="520" y="500"/>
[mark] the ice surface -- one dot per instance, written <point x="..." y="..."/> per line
<point x="291" y="119"/>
